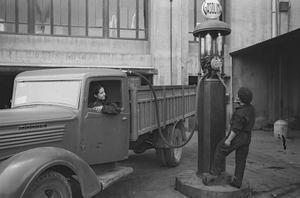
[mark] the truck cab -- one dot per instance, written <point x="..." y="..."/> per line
<point x="50" y="111"/>
<point x="87" y="133"/>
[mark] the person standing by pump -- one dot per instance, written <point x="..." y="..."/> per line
<point x="238" y="139"/>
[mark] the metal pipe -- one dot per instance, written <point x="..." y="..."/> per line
<point x="289" y="18"/>
<point x="274" y="29"/>
<point x="278" y="18"/>
<point x="171" y="41"/>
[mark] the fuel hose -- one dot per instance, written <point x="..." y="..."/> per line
<point x="170" y="145"/>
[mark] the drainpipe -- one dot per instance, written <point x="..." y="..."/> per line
<point x="274" y="24"/>
<point x="274" y="33"/>
<point x="171" y="41"/>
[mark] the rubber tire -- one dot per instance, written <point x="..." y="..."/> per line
<point x="160" y="155"/>
<point x="49" y="182"/>
<point x="173" y="155"/>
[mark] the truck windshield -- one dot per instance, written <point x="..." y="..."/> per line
<point x="64" y="93"/>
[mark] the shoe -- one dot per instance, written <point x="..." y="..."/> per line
<point x="235" y="184"/>
<point x="209" y="179"/>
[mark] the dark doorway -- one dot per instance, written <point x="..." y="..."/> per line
<point x="6" y="84"/>
<point x="193" y="80"/>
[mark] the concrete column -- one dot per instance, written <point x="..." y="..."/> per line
<point x="184" y="41"/>
<point x="162" y="49"/>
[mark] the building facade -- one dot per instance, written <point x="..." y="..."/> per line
<point x="150" y="36"/>
<point x="153" y="37"/>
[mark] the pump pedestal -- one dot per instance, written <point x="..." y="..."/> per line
<point x="189" y="184"/>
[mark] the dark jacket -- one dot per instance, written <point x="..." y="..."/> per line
<point x="243" y="119"/>
<point x="108" y="107"/>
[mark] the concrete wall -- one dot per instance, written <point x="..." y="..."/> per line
<point x="169" y="42"/>
<point x="291" y="21"/>
<point x="36" y="50"/>
<point x="255" y="71"/>
<point x="250" y="21"/>
<point x="155" y="53"/>
<point x="293" y="82"/>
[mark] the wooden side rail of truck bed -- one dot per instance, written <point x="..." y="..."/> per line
<point x="174" y="103"/>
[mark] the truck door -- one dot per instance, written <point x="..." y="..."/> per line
<point x="105" y="137"/>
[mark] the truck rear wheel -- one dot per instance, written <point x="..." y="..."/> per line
<point x="50" y="184"/>
<point x="160" y="155"/>
<point x="171" y="156"/>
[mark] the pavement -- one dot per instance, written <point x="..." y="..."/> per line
<point x="270" y="170"/>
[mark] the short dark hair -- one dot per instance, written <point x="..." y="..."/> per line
<point x="245" y="95"/>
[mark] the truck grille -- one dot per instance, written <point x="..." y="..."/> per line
<point x="31" y="137"/>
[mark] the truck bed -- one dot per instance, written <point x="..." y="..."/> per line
<point x="174" y="102"/>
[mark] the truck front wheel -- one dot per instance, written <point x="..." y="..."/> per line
<point x="171" y="156"/>
<point x="50" y="184"/>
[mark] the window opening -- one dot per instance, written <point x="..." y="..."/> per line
<point x="60" y="17"/>
<point x="7" y="16"/>
<point x="96" y="18"/>
<point x="78" y="20"/>
<point x="109" y="93"/>
<point x="42" y="14"/>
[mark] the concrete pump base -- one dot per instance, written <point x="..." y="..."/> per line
<point x="189" y="184"/>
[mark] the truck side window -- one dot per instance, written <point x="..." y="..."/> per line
<point x="105" y="96"/>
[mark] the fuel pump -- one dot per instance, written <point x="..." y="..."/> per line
<point x="211" y="107"/>
<point x="211" y="112"/>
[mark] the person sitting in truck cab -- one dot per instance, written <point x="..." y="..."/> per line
<point x="100" y="103"/>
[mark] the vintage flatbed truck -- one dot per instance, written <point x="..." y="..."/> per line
<point x="52" y="144"/>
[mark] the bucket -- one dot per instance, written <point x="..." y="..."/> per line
<point x="280" y="128"/>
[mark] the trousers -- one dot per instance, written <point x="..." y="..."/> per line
<point x="239" y="144"/>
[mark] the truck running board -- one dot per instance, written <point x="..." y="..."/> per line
<point x="113" y="175"/>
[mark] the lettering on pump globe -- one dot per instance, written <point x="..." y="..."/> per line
<point x="211" y="9"/>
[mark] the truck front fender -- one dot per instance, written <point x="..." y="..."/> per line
<point x="18" y="171"/>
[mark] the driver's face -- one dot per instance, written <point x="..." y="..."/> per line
<point x="101" y="94"/>
<point x="236" y="102"/>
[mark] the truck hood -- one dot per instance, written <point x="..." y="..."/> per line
<point x="35" y="113"/>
